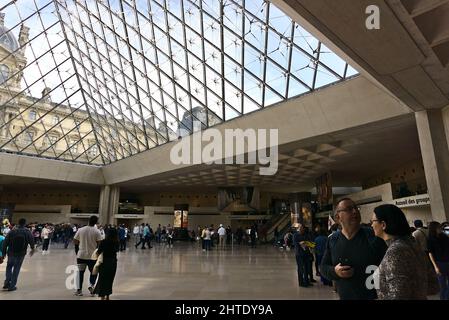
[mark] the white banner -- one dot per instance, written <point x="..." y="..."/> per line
<point x="413" y="201"/>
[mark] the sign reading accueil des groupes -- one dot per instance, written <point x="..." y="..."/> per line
<point x="419" y="200"/>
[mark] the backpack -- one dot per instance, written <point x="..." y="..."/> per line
<point x="18" y="242"/>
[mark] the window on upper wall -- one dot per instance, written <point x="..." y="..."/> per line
<point x="93" y="151"/>
<point x="28" y="137"/>
<point x="4" y="73"/>
<point x="51" y="139"/>
<point x="74" y="146"/>
<point x="32" y="115"/>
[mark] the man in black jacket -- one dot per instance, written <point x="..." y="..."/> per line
<point x="350" y="252"/>
<point x="16" y="245"/>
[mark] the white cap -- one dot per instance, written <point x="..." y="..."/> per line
<point x="221" y="225"/>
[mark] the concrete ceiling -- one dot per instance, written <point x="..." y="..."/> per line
<point x="353" y="155"/>
<point x="408" y="55"/>
<point x="24" y="182"/>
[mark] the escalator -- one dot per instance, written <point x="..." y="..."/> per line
<point x="280" y="221"/>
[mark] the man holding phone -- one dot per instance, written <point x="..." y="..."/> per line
<point x="349" y="252"/>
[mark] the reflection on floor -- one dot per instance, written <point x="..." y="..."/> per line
<point x="182" y="272"/>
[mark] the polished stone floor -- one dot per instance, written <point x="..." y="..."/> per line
<point x="184" y="272"/>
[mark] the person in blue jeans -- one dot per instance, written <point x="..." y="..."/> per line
<point x="15" y="246"/>
<point x="438" y="246"/>
<point x="302" y="254"/>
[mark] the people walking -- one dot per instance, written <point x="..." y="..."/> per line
<point x="170" y="236"/>
<point x="136" y="233"/>
<point x="229" y="237"/>
<point x="45" y="235"/>
<point x="253" y="236"/>
<point x="68" y="234"/>
<point x="145" y="238"/>
<point x="107" y="269"/>
<point x="122" y="237"/>
<point x="207" y="239"/>
<point x="239" y="234"/>
<point x="86" y="240"/>
<point x="222" y="237"/>
<point x="15" y="247"/>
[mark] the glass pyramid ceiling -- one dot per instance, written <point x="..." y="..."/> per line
<point x="98" y="81"/>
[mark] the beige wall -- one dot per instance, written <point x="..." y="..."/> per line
<point x="413" y="173"/>
<point x="411" y="213"/>
<point x="384" y="191"/>
<point x="199" y="216"/>
<point x="41" y="217"/>
<point x="51" y="196"/>
<point x="423" y="213"/>
<point x="41" y="213"/>
<point x="55" y="170"/>
<point x="194" y="198"/>
<point x="170" y="198"/>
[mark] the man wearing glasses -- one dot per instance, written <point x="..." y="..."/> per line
<point x="349" y="252"/>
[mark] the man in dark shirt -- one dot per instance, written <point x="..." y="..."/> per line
<point x="302" y="256"/>
<point x="349" y="252"/>
<point x="15" y="245"/>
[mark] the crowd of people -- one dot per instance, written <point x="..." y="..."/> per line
<point x="386" y="259"/>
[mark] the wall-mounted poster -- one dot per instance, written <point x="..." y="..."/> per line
<point x="306" y="214"/>
<point x="185" y="219"/>
<point x="324" y="190"/>
<point x="181" y="216"/>
<point x="178" y="219"/>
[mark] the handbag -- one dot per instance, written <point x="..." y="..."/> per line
<point x="94" y="255"/>
<point x="433" y="287"/>
<point x="96" y="268"/>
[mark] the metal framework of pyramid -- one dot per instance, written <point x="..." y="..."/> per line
<point x="97" y="81"/>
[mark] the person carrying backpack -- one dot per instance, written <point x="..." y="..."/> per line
<point x="421" y="235"/>
<point x="15" y="246"/>
<point x="350" y="252"/>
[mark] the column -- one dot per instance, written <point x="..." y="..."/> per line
<point x="433" y="129"/>
<point x="114" y="203"/>
<point x="109" y="201"/>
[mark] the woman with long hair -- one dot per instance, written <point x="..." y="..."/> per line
<point x="109" y="248"/>
<point x="403" y="271"/>
<point x="438" y="245"/>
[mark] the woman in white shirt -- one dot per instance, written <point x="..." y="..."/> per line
<point x="45" y="235"/>
<point x="207" y="239"/>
